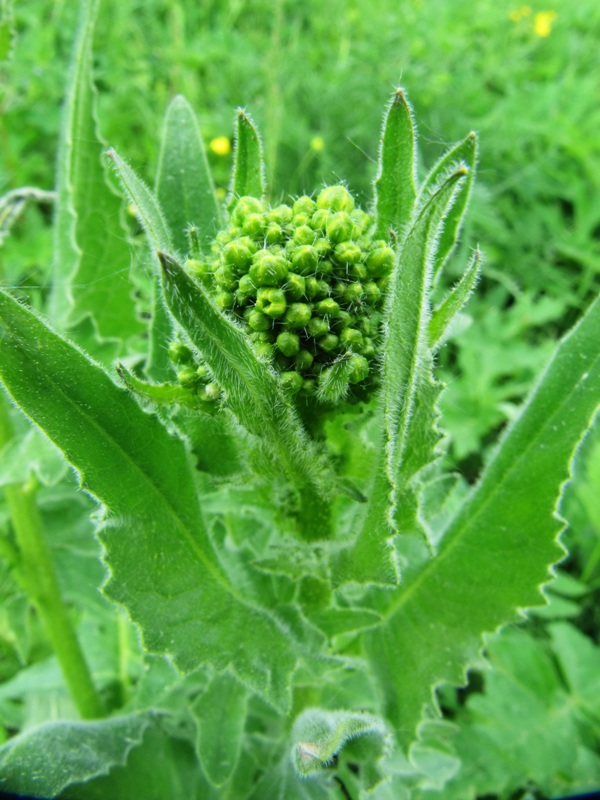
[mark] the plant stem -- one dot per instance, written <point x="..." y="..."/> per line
<point x="38" y="575"/>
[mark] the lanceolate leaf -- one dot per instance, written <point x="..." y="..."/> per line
<point x="498" y="547"/>
<point x="46" y="760"/>
<point x="444" y="314"/>
<point x="159" y="237"/>
<point x="91" y="266"/>
<point x="395" y="190"/>
<point x="162" y="565"/>
<point x="248" y="168"/>
<point x="252" y="390"/>
<point x="184" y="185"/>
<point x="464" y="152"/>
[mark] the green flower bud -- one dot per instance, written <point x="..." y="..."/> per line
<point x="304" y="205"/>
<point x="309" y="387"/>
<point x="316" y="289"/>
<point x="340" y="227"/>
<point x="244" y="207"/>
<point x="264" y="350"/>
<point x="259" y="321"/>
<point x="301" y="219"/>
<point x="304" y="234"/>
<point x="372" y="293"/>
<point x="295" y="286"/>
<point x="357" y="271"/>
<point x="353" y="292"/>
<point x="324" y="267"/>
<point x="212" y="392"/>
<point x="225" y="300"/>
<point x="271" y="302"/>
<point x="335" y="198"/>
<point x="246" y="285"/>
<point x="268" y="269"/>
<point x="380" y="262"/>
<point x="202" y="372"/>
<point x="343" y="320"/>
<point x="328" y="308"/>
<point x="350" y="337"/>
<point x="304" y="360"/>
<point x="305" y="259"/>
<point x="347" y="253"/>
<point x="199" y="270"/>
<point x="292" y="381"/>
<point x="180" y="353"/>
<point x="329" y="342"/>
<point x="362" y="220"/>
<point x="360" y="368"/>
<point x="288" y="343"/>
<point x="319" y="219"/>
<point x="368" y="348"/>
<point x="322" y="246"/>
<point x="254" y="225"/>
<point x="274" y="233"/>
<point x="281" y="215"/>
<point x="366" y="325"/>
<point x="317" y="326"/>
<point x="237" y="256"/>
<point x="226" y="278"/>
<point x="298" y="315"/>
<point x="187" y="377"/>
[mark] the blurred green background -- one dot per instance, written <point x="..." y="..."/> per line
<point x="316" y="77"/>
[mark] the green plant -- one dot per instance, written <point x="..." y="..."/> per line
<point x="275" y="513"/>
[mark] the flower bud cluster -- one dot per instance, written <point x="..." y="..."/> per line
<point x="306" y="281"/>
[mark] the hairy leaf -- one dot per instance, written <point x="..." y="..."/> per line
<point x="184" y="185"/>
<point x="248" y="167"/>
<point x="44" y="761"/>
<point x="444" y="314"/>
<point x="91" y="266"/>
<point x="395" y="190"/>
<point x="163" y="568"/>
<point x="498" y="547"/>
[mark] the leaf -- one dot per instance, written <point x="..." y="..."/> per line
<point x="464" y="152"/>
<point x="497" y="548"/>
<point x="252" y="390"/>
<point x="69" y="752"/>
<point x="443" y="316"/>
<point x="320" y="735"/>
<point x="163" y="568"/>
<point x="7" y="29"/>
<point x="409" y="406"/>
<point x="158" y="393"/>
<point x="184" y="185"/>
<point x="220" y="716"/>
<point x="159" y="237"/>
<point x="395" y="190"/>
<point x="248" y="164"/>
<point x="91" y="266"/>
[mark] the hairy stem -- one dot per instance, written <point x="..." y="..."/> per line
<point x="38" y="576"/>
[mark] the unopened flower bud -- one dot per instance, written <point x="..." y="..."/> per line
<point x="259" y="321"/>
<point x="329" y="342"/>
<point x="360" y="368"/>
<point x="237" y="256"/>
<point x="328" y="308"/>
<point x="380" y="262"/>
<point x="244" y="207"/>
<point x="180" y="353"/>
<point x="295" y="286"/>
<point x="292" y="381"/>
<point x="304" y="234"/>
<point x="335" y="198"/>
<point x="305" y="259"/>
<point x="268" y="269"/>
<point x="271" y="302"/>
<point x="254" y="225"/>
<point x="350" y="337"/>
<point x="340" y="227"/>
<point x="304" y="205"/>
<point x="298" y="315"/>
<point x="288" y="343"/>
<point x="304" y="360"/>
<point x="281" y="215"/>
<point x="317" y="326"/>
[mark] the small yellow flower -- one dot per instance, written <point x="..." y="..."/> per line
<point x="221" y="146"/>
<point x="317" y="144"/>
<point x="518" y="13"/>
<point x="542" y="23"/>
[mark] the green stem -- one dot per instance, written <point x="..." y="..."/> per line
<point x="39" y="578"/>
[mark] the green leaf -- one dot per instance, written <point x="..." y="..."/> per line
<point x="184" y="185"/>
<point x="158" y="393"/>
<point x="91" y="266"/>
<point x="46" y="760"/>
<point x="395" y="190"/>
<point x="159" y="237"/>
<point x="248" y="166"/>
<point x="443" y="315"/>
<point x="497" y="548"/>
<point x="163" y="568"/>
<point x="252" y="390"/>
<point x="220" y="715"/>
<point x="465" y="152"/>
<point x="320" y="735"/>
<point x="7" y="29"/>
